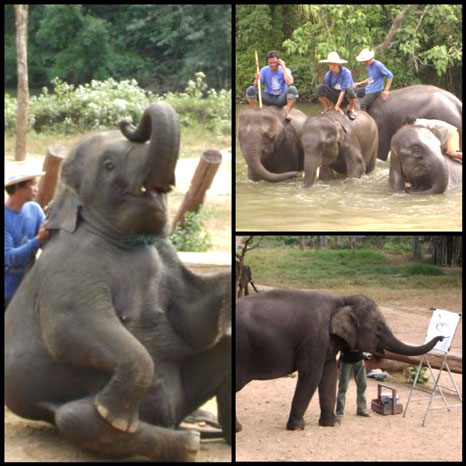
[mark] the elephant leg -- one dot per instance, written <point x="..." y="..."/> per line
<point x="80" y="423"/>
<point x="204" y="376"/>
<point x="327" y="394"/>
<point x="309" y="374"/>
<point x="326" y="174"/>
<point x="98" y="340"/>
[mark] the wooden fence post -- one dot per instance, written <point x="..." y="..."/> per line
<point x="205" y="172"/>
<point x="52" y="163"/>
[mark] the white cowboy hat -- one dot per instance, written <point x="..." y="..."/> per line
<point x="365" y="55"/>
<point x="22" y="175"/>
<point x="333" y="57"/>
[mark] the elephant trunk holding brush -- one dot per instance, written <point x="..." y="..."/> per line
<point x="281" y="331"/>
<point x="110" y="337"/>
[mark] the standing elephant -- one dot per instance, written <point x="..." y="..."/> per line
<point x="417" y="164"/>
<point x="334" y="142"/>
<point x="281" y="331"/>
<point x="421" y="101"/>
<point x="270" y="144"/>
<point x="110" y="337"/>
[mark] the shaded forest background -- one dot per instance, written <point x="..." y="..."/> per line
<point x="161" y="46"/>
<point x="420" y="44"/>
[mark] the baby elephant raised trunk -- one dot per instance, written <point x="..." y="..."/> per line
<point x="160" y="124"/>
<point x="394" y="345"/>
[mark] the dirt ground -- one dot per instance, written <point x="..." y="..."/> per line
<point x="262" y="408"/>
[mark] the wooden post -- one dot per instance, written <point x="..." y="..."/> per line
<point x="52" y="163"/>
<point x="202" y="179"/>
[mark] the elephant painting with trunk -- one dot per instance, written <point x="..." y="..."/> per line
<point x="270" y="144"/>
<point x="335" y="143"/>
<point x="110" y="337"/>
<point x="281" y="331"/>
<point x="417" y="164"/>
<point x="428" y="102"/>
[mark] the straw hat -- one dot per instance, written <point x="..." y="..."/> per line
<point x="333" y="57"/>
<point x="365" y="55"/>
<point x="22" y="175"/>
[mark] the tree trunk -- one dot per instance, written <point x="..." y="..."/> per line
<point x="202" y="179"/>
<point x="21" y="13"/>
<point x="51" y="167"/>
<point x="415" y="247"/>
<point x="447" y="250"/>
<point x="455" y="361"/>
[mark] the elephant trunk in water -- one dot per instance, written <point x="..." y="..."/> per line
<point x="311" y="164"/>
<point x="391" y="343"/>
<point x="160" y="124"/>
<point x="441" y="177"/>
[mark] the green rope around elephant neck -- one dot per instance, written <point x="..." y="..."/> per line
<point x="144" y="240"/>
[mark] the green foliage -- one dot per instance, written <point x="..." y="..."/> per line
<point x="102" y="104"/>
<point x="423" y="269"/>
<point x="429" y="39"/>
<point x="161" y="46"/>
<point x="422" y="378"/>
<point x="190" y="234"/>
<point x="397" y="247"/>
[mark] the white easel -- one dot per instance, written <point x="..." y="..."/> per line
<point x="442" y="323"/>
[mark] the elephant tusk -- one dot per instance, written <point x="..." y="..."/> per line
<point x="317" y="172"/>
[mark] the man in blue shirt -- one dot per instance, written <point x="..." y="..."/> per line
<point x="278" y="85"/>
<point x="377" y="72"/>
<point x="338" y="87"/>
<point x="25" y="231"/>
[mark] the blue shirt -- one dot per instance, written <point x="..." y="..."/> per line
<point x="340" y="81"/>
<point x="275" y="83"/>
<point x="20" y="242"/>
<point x="377" y="73"/>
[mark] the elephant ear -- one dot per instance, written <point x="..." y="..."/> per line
<point x="345" y="325"/>
<point x="64" y="210"/>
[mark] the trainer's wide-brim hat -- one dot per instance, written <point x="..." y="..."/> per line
<point x="365" y="55"/>
<point x="22" y="175"/>
<point x="333" y="57"/>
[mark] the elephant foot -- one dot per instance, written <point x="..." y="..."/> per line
<point x="116" y="418"/>
<point x="328" y="420"/>
<point x="295" y="424"/>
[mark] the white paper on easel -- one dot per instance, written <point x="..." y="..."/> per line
<point x="442" y="323"/>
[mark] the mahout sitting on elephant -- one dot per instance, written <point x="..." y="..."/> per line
<point x="424" y="101"/>
<point x="281" y="331"/>
<point x="335" y="143"/>
<point x="417" y="164"/>
<point x="270" y="144"/>
<point x="110" y="337"/>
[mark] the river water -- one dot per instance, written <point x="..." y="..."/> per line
<point x="365" y="204"/>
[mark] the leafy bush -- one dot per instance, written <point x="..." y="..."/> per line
<point x="423" y="269"/>
<point x="190" y="235"/>
<point x="102" y="104"/>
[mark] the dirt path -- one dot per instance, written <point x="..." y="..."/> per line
<point x="263" y="406"/>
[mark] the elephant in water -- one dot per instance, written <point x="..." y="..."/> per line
<point x="281" y="331"/>
<point x="110" y="337"/>
<point x="421" y="101"/>
<point x="335" y="143"/>
<point x="270" y="144"/>
<point x="417" y="164"/>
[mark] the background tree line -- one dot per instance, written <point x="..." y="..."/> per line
<point x="161" y="46"/>
<point x="418" y="43"/>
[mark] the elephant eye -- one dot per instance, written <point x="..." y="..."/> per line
<point x="416" y="150"/>
<point x="108" y="165"/>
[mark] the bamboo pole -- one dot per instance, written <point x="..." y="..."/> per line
<point x="259" y="80"/>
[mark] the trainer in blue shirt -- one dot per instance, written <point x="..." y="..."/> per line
<point x="338" y="87"/>
<point x="278" y="85"/>
<point x="24" y="229"/>
<point x="377" y="72"/>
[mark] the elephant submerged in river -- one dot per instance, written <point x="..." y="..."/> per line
<point x="281" y="331"/>
<point x="270" y="144"/>
<point x="422" y="101"/>
<point x="417" y="164"/>
<point x="335" y="143"/>
<point x="109" y="336"/>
